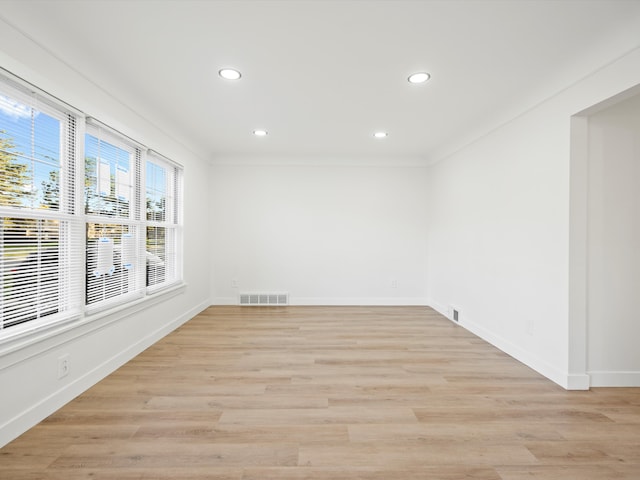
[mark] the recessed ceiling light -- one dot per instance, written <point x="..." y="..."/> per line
<point x="419" y="77"/>
<point x="260" y="133"/>
<point x="229" y="74"/>
<point x="381" y="134"/>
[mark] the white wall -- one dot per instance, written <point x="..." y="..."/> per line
<point x="28" y="372"/>
<point x="333" y="235"/>
<point x="498" y="239"/>
<point x="500" y="230"/>
<point x="613" y="276"/>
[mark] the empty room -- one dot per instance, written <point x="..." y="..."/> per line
<point x="319" y="239"/>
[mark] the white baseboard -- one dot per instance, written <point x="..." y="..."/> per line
<point x="359" y="301"/>
<point x="441" y="309"/>
<point x="614" y="379"/>
<point x="225" y="301"/>
<point x="340" y="301"/>
<point x="578" y="382"/>
<point x="532" y="361"/>
<point x="565" y="380"/>
<point x="30" y="417"/>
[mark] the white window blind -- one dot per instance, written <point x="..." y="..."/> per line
<point x="87" y="222"/>
<point x="40" y="280"/>
<point x="115" y="258"/>
<point x="163" y="235"/>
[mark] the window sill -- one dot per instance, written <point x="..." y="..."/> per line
<point x="53" y="335"/>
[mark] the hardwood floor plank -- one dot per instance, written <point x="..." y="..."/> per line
<point x="166" y="453"/>
<point x="467" y="415"/>
<point x="146" y="473"/>
<point x="561" y="472"/>
<point x="372" y="473"/>
<point x="410" y="454"/>
<point x="312" y="416"/>
<point x="498" y="434"/>
<point x="236" y="402"/>
<point x="247" y="435"/>
<point x="98" y="416"/>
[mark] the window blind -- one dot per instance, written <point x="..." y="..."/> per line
<point x="114" y="259"/>
<point x="39" y="282"/>
<point x="162" y="197"/>
<point x="87" y="221"/>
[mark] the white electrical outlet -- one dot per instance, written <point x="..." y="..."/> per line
<point x="234" y="283"/>
<point x="529" y="327"/>
<point x="394" y="283"/>
<point x="63" y="366"/>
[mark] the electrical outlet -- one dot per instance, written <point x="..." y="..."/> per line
<point x="234" y="283"/>
<point x="394" y="283"/>
<point x="529" y="327"/>
<point x="63" y="366"/>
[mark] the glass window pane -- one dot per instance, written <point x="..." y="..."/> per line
<point x="29" y="156"/>
<point x="156" y="255"/>
<point x="156" y="192"/>
<point x="110" y="261"/>
<point x="108" y="178"/>
<point x="29" y="269"/>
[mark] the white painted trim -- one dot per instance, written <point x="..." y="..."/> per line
<point x="615" y="379"/>
<point x="569" y="382"/>
<point x="321" y="161"/>
<point x="441" y="309"/>
<point x="36" y="413"/>
<point x="578" y="261"/>
<point x="578" y="382"/>
<point x="355" y="301"/>
<point x="340" y="301"/>
<point x="225" y="301"/>
<point x="15" y="349"/>
<point x="532" y="361"/>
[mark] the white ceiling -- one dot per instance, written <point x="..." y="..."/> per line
<point x="323" y="76"/>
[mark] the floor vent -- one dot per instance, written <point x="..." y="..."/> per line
<point x="264" y="299"/>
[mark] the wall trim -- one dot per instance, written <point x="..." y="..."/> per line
<point x="578" y="382"/>
<point x="614" y="379"/>
<point x="532" y="361"/>
<point x="565" y="380"/>
<point x="359" y="301"/>
<point x="30" y="417"/>
<point x="225" y="301"/>
<point x="341" y="301"/>
<point x="441" y="309"/>
<point x="16" y="349"/>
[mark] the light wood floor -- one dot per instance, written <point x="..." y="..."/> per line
<point x="330" y="393"/>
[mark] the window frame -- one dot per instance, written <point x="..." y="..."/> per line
<point x="74" y="220"/>
<point x="69" y="279"/>
<point x="172" y="221"/>
<point x="134" y="280"/>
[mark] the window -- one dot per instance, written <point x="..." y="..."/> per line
<point x="162" y="187"/>
<point x="39" y="278"/>
<point x="131" y="244"/>
<point x="88" y="221"/>
<point x="113" y="228"/>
